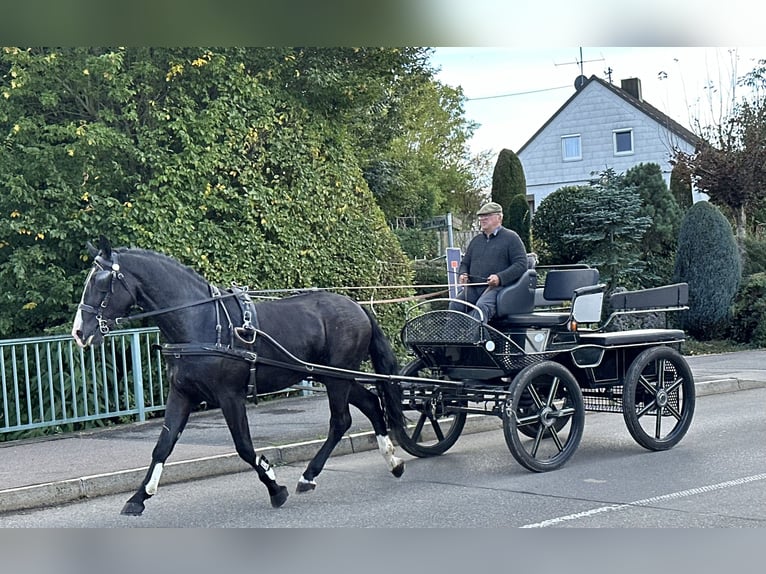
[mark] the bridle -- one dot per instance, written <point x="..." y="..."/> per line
<point x="104" y="274"/>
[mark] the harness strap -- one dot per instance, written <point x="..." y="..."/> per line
<point x="178" y="350"/>
<point x="249" y="329"/>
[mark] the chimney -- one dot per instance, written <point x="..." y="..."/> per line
<point x="633" y="87"/>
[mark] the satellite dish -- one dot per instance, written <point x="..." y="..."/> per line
<point x="580" y="81"/>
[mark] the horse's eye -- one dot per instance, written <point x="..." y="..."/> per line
<point x="102" y="280"/>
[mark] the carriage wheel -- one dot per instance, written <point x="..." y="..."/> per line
<point x="658" y="398"/>
<point x="545" y="398"/>
<point x="434" y="428"/>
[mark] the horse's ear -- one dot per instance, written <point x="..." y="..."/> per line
<point x="92" y="251"/>
<point x="105" y="247"/>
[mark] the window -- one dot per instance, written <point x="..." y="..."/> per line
<point x="571" y="149"/>
<point x="623" y="142"/>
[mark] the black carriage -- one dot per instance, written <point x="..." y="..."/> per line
<point x="546" y="359"/>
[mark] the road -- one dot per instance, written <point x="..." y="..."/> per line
<point x="714" y="478"/>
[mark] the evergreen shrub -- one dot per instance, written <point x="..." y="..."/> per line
<point x="755" y="256"/>
<point x="708" y="260"/>
<point x="518" y="218"/>
<point x="749" y="311"/>
<point x="554" y="219"/>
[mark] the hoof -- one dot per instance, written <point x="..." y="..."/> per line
<point x="132" y="509"/>
<point x="280" y="497"/>
<point x="398" y="470"/>
<point x="305" y="487"/>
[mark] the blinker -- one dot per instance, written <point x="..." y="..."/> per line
<point x="103" y="280"/>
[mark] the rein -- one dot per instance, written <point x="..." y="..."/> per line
<point x="120" y="320"/>
<point x="211" y="299"/>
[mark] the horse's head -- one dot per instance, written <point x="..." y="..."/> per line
<point x="105" y="297"/>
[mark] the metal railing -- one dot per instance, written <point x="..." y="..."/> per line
<point x="50" y="385"/>
<point x="50" y="382"/>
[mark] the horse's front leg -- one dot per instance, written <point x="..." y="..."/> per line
<point x="176" y="415"/>
<point x="235" y="413"/>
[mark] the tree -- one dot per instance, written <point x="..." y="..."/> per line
<point x="610" y="228"/>
<point x="211" y="156"/>
<point x="414" y="172"/>
<point x="554" y="220"/>
<point x="708" y="260"/>
<point x="466" y="202"/>
<point x="681" y="185"/>
<point x="508" y="181"/>
<point x="658" y="246"/>
<point x="730" y="163"/>
<point x="518" y="218"/>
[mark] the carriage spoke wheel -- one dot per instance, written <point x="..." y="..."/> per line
<point x="544" y="416"/>
<point x="431" y="427"/>
<point x="658" y="398"/>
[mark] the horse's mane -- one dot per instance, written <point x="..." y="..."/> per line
<point x="148" y="253"/>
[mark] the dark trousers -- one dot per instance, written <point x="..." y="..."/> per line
<point x="485" y="298"/>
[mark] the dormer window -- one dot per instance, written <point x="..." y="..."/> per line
<point x="571" y="148"/>
<point x="623" y="141"/>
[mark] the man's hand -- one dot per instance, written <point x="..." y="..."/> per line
<point x="463" y="278"/>
<point x="493" y="280"/>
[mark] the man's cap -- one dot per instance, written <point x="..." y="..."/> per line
<point x="490" y="207"/>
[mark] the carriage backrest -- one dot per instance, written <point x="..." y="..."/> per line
<point x="519" y="296"/>
<point x="560" y="285"/>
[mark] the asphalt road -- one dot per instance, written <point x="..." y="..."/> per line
<point x="714" y="478"/>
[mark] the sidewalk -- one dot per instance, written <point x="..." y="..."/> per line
<point x="56" y="470"/>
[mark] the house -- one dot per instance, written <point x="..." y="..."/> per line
<point x="600" y="126"/>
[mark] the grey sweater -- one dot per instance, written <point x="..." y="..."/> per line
<point x="503" y="254"/>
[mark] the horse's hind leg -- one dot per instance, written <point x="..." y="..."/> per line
<point x="369" y="404"/>
<point x="176" y="415"/>
<point x="340" y="422"/>
<point x="235" y="413"/>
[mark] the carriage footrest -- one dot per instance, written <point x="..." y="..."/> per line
<point x="632" y="337"/>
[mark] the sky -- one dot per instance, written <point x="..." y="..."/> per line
<point x="512" y="91"/>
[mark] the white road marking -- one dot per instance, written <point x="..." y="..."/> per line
<point x="647" y="501"/>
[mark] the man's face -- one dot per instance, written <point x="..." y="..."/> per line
<point x="489" y="221"/>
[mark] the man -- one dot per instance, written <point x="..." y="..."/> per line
<point x="495" y="257"/>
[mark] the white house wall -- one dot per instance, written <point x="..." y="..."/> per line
<point x="594" y="114"/>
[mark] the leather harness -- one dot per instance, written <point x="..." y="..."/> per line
<point x="242" y="338"/>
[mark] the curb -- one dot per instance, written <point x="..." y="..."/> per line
<point x="124" y="481"/>
<point x="76" y="489"/>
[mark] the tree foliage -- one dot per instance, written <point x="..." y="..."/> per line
<point x="749" y="311"/>
<point x="243" y="163"/>
<point x="610" y="229"/>
<point x="730" y="163"/>
<point x="681" y="185"/>
<point x="508" y="180"/>
<point x="554" y="220"/>
<point x="518" y="218"/>
<point x="708" y="260"/>
<point x="423" y="167"/>
<point x="658" y="246"/>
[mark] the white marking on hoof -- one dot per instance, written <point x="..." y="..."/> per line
<point x="307" y="484"/>
<point x="263" y="462"/>
<point x="386" y="448"/>
<point x="154" y="481"/>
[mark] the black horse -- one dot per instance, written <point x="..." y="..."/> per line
<point x="213" y="340"/>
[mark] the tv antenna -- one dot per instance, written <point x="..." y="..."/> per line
<point x="579" y="62"/>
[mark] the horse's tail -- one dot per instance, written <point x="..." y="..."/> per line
<point x="385" y="362"/>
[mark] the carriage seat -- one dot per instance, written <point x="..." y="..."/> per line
<point x="519" y="296"/>
<point x="561" y="286"/>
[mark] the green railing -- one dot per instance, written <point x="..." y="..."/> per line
<point x="52" y="384"/>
